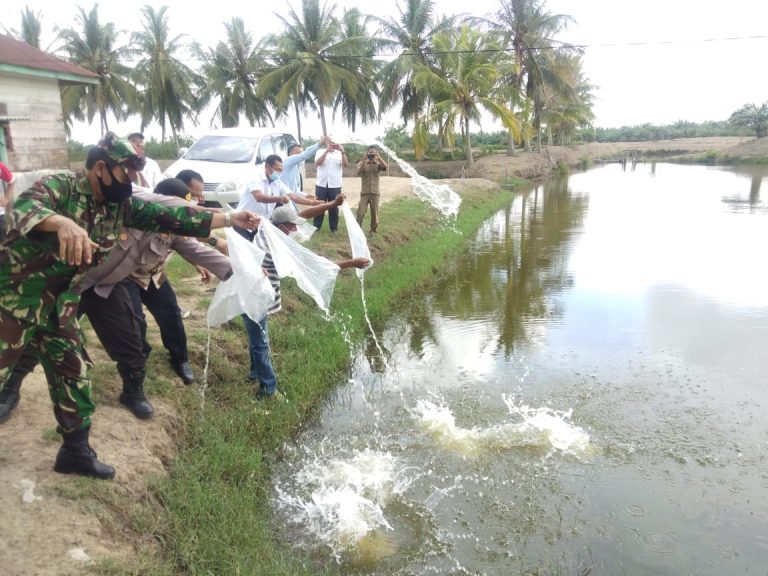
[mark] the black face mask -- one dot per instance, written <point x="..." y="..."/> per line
<point x="115" y="192"/>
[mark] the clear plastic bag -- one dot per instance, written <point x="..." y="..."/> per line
<point x="248" y="290"/>
<point x="314" y="274"/>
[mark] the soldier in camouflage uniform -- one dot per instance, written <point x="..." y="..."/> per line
<point x="63" y="225"/>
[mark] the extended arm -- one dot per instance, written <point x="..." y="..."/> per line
<point x="322" y="207"/>
<point x="268" y="199"/>
<point x="303" y="200"/>
<point x="290" y="161"/>
<point x="195" y="253"/>
<point x="353" y="263"/>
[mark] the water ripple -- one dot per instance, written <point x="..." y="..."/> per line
<point x="658" y="541"/>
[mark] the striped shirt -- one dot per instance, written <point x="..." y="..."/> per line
<point x="269" y="267"/>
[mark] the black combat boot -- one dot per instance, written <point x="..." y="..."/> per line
<point x="9" y="396"/>
<point x="133" y="394"/>
<point x="77" y="457"/>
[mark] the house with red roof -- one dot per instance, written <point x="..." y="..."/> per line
<point x="32" y="133"/>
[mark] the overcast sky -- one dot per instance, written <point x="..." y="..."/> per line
<point x="656" y="61"/>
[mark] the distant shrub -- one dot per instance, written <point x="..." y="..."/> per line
<point x="77" y="151"/>
<point x="168" y="150"/>
<point x="432" y="174"/>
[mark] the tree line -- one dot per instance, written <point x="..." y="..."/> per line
<point x="438" y="73"/>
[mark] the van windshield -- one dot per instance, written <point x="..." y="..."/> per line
<point x="229" y="149"/>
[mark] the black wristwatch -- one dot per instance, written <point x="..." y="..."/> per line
<point x="213" y="241"/>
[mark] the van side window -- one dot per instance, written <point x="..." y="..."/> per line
<point x="265" y="149"/>
<point x="289" y="141"/>
<point x="281" y="149"/>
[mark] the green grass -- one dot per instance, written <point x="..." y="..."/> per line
<point x="213" y="515"/>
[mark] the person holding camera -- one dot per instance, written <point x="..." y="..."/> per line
<point x="330" y="163"/>
<point x="368" y="169"/>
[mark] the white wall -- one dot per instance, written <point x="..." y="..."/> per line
<point x="40" y="142"/>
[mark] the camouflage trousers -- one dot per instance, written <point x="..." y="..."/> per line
<point x="64" y="360"/>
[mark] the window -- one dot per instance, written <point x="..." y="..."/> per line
<point x="265" y="149"/>
<point x="227" y="149"/>
<point x="280" y="147"/>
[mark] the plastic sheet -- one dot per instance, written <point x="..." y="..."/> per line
<point x="248" y="290"/>
<point x="314" y="274"/>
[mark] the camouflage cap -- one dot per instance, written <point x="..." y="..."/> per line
<point x="122" y="151"/>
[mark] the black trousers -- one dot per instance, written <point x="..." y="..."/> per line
<point x="327" y="195"/>
<point x="117" y="326"/>
<point x="161" y="303"/>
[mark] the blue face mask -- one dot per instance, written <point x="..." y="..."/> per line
<point x="275" y="176"/>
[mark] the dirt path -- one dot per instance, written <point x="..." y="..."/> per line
<point x="46" y="528"/>
<point x="49" y="529"/>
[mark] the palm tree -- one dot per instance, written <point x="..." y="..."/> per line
<point x="411" y="33"/>
<point x="570" y="102"/>
<point x="31" y="28"/>
<point x="166" y="82"/>
<point x="231" y="72"/>
<point x="530" y="31"/>
<point x="357" y="100"/>
<point x="462" y="81"/>
<point x="315" y="54"/>
<point x="93" y="48"/>
<point x="753" y="117"/>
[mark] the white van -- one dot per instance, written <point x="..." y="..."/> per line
<point x="228" y="158"/>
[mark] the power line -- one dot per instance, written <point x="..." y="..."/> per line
<point x="558" y="46"/>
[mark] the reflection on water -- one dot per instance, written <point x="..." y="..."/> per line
<point x="584" y="389"/>
<point x="516" y="264"/>
<point x="754" y="176"/>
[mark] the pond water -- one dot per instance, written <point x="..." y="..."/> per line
<point x="584" y="389"/>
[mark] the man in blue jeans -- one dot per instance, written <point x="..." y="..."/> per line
<point x="287" y="220"/>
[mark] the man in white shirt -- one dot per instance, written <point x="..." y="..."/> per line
<point x="330" y="164"/>
<point x="266" y="191"/>
<point x="151" y="175"/>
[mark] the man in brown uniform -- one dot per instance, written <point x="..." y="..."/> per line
<point x="368" y="169"/>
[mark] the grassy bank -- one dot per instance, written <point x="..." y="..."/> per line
<point x="213" y="515"/>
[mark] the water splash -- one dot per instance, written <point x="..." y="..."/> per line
<point x="538" y="428"/>
<point x="553" y="424"/>
<point x="440" y="196"/>
<point x="344" y="498"/>
<point x="370" y="326"/>
<point x="203" y="386"/>
<point x="360" y="250"/>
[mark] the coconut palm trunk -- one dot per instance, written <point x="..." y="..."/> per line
<point x="467" y="144"/>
